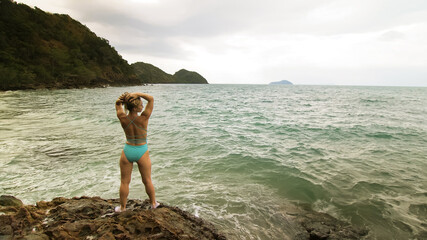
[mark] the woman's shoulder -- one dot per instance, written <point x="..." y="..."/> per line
<point x="122" y="117"/>
<point x="142" y="119"/>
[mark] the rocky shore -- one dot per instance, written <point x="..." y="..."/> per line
<point x="94" y="218"/>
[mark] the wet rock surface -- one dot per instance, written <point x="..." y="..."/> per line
<point x="319" y="226"/>
<point x="94" y="218"/>
<point x="10" y="201"/>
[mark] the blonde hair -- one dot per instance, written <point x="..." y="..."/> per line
<point x="129" y="101"/>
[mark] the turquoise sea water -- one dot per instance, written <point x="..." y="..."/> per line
<point x="236" y="155"/>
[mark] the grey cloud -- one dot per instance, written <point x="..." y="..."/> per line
<point x="215" y="18"/>
<point x="157" y="48"/>
<point x="207" y="18"/>
<point x="391" y="36"/>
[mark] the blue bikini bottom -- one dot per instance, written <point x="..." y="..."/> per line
<point x="134" y="153"/>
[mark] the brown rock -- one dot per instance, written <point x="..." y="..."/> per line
<point x="11" y="201"/>
<point x="86" y="218"/>
<point x="324" y="226"/>
<point x="36" y="236"/>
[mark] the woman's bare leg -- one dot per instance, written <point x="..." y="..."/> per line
<point x="125" y="176"/>
<point x="144" y="166"/>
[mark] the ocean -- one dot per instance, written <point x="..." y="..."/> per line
<point x="236" y="155"/>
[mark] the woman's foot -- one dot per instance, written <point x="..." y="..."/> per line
<point x="155" y="205"/>
<point x="118" y="209"/>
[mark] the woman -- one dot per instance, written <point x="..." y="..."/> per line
<point x="135" y="150"/>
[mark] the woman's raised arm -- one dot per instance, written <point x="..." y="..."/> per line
<point x="144" y="95"/>
<point x="119" y="108"/>
<point x="150" y="103"/>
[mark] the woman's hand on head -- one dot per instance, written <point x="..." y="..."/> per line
<point x="125" y="97"/>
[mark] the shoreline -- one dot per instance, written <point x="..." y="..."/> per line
<point x="35" y="88"/>
<point x="93" y="217"/>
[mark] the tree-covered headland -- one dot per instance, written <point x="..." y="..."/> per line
<point x="45" y="50"/>
<point x="152" y="74"/>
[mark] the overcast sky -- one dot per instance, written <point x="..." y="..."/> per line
<point x="337" y="42"/>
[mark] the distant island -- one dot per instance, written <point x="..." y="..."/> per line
<point x="283" y="82"/>
<point x="45" y="50"/>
